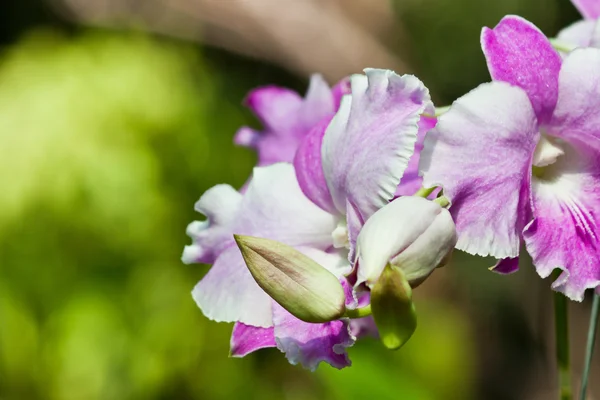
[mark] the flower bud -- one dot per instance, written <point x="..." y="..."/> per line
<point x="299" y="284"/>
<point x="392" y="307"/>
<point x="411" y="233"/>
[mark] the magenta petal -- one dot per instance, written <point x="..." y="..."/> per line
<point x="309" y="344"/>
<point x="286" y="118"/>
<point x="481" y="152"/>
<point x="588" y="8"/>
<point x="517" y="52"/>
<point x="577" y="115"/>
<point x="210" y="237"/>
<point x="274" y="105"/>
<point x="506" y="266"/>
<point x="309" y="168"/>
<point x="246" y="339"/>
<point x="411" y="180"/>
<point x="369" y="142"/>
<point x="566" y="230"/>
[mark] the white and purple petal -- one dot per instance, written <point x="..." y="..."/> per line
<point x="275" y="208"/>
<point x="220" y="204"/>
<point x="369" y="142"/>
<point x="584" y="33"/>
<point x="566" y="230"/>
<point x="576" y="118"/>
<point x="411" y="180"/>
<point x="480" y="152"/>
<point x="310" y="344"/>
<point x="246" y="339"/>
<point x="228" y="293"/>
<point x="517" y="52"/>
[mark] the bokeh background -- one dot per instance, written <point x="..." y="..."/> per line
<point x="115" y="116"/>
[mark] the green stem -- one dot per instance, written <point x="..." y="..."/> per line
<point x="590" y="345"/>
<point x="441" y="110"/>
<point x="561" y="324"/>
<point x="438" y="111"/>
<point x="562" y="46"/>
<point x="358" y="312"/>
<point x="424" y="192"/>
<point x="442" y="201"/>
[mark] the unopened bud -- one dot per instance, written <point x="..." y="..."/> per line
<point x="393" y="309"/>
<point x="299" y="284"/>
<point x="411" y="233"/>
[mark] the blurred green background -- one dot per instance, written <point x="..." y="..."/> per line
<point x="109" y="132"/>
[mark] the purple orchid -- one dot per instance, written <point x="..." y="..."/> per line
<point x="538" y="184"/>
<point x="347" y="168"/>
<point x="287" y="117"/>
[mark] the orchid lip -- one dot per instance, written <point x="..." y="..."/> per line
<point x="340" y="235"/>
<point x="547" y="152"/>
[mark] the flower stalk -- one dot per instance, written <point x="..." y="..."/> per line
<point x="561" y="324"/>
<point x="358" y="312"/>
<point x="591" y="339"/>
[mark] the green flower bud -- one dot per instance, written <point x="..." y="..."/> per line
<point x="392" y="308"/>
<point x="299" y="284"/>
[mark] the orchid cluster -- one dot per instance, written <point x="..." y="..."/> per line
<point x="362" y="190"/>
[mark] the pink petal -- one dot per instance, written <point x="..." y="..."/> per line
<point x="318" y="103"/>
<point x="246" y="339"/>
<point x="286" y="117"/>
<point x="310" y="344"/>
<point x="480" y="152"/>
<point x="228" y="293"/>
<point x="588" y="8"/>
<point x="309" y="168"/>
<point x="273" y="106"/>
<point x="577" y="115"/>
<point x="210" y="237"/>
<point x="411" y="180"/>
<point x="517" y="52"/>
<point x="566" y="228"/>
<point x="369" y="142"/>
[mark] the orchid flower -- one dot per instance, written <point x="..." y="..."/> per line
<point x="349" y="167"/>
<point x="584" y="33"/>
<point x="287" y="117"/>
<point x="518" y="158"/>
